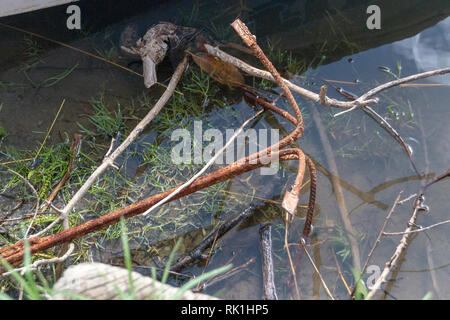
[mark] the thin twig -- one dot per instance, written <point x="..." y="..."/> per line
<point x="417" y="230"/>
<point x="343" y="112"/>
<point x="392" y="263"/>
<point x="224" y="276"/>
<point x="38" y="263"/>
<point x="364" y="100"/>
<point x="210" y="162"/>
<point x="266" y="75"/>
<point x="35" y="194"/>
<point x="396" y="202"/>
<point x="407" y="198"/>
<point x="438" y="178"/>
<point x="341" y="275"/>
<point x="397" y="136"/>
<point x="380" y="234"/>
<point x="394" y="83"/>
<point x="291" y="263"/>
<point x="108" y="161"/>
<point x="317" y="271"/>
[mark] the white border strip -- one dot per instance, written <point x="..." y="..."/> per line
<point x="12" y="7"/>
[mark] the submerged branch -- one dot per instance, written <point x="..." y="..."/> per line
<point x="208" y="241"/>
<point x="364" y="100"/>
<point x="108" y="161"/>
<point x="393" y="263"/>
<point x="265" y="242"/>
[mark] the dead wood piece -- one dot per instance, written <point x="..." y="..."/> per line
<point x="265" y="241"/>
<point x="100" y="281"/>
<point x="364" y="100"/>
<point x="217" y="233"/>
<point x="162" y="39"/>
<point x="152" y="49"/>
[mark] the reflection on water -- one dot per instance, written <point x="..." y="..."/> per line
<point x="428" y="49"/>
<point x="372" y="167"/>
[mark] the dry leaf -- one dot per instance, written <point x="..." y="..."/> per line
<point x="220" y="71"/>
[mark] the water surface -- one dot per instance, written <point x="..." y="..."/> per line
<point x="372" y="166"/>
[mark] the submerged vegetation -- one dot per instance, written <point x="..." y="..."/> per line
<point x="152" y="243"/>
<point x="146" y="168"/>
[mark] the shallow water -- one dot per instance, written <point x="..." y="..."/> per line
<point x="372" y="166"/>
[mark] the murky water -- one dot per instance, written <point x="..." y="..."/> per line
<point x="371" y="165"/>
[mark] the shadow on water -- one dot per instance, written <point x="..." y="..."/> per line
<point x="326" y="44"/>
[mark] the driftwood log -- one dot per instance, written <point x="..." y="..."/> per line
<point x="100" y="281"/>
<point x="159" y="40"/>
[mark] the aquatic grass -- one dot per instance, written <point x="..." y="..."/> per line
<point x="188" y="19"/>
<point x="341" y="244"/>
<point x="219" y="31"/>
<point x="57" y="78"/>
<point x="114" y="190"/>
<point x="8" y="84"/>
<point x="104" y="44"/>
<point x="396" y="75"/>
<point x="340" y="37"/>
<point x="3" y="131"/>
<point x="360" y="291"/>
<point x="156" y="171"/>
<point x="199" y="83"/>
<point x="27" y="283"/>
<point x="26" y="280"/>
<point x="50" y="167"/>
<point x="192" y="283"/>
<point x="166" y="271"/>
<point x="106" y="123"/>
<point x="285" y="60"/>
<point x="127" y="260"/>
<point x="32" y="49"/>
<point x="110" y="53"/>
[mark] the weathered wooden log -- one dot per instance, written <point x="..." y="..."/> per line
<point x="160" y="39"/>
<point x="100" y="281"/>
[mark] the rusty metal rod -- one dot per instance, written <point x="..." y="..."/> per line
<point x="14" y="254"/>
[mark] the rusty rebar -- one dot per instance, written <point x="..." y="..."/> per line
<point x="13" y="254"/>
